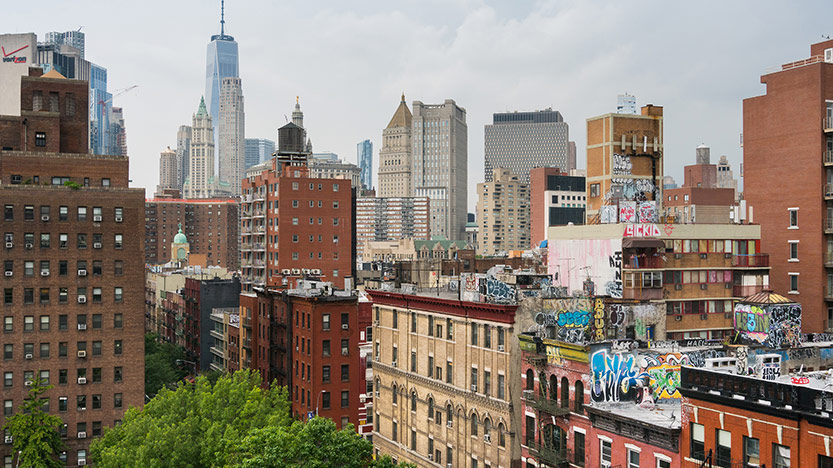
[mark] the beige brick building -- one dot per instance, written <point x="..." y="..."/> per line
<point x="444" y="392"/>
<point x="502" y="214"/>
<point x="395" y="155"/>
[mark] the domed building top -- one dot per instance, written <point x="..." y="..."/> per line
<point x="180" y="238"/>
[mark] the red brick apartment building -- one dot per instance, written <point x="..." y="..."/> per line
<point x="295" y="226"/>
<point x="788" y="144"/>
<point x="307" y="340"/>
<point x="211" y="226"/>
<point x="73" y="267"/>
<point x="732" y="420"/>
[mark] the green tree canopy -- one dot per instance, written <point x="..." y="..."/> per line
<point x="36" y="436"/>
<point x="160" y="364"/>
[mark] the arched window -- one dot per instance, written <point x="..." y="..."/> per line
<point x="430" y="408"/>
<point x="413" y="400"/>
<point x="530" y="380"/>
<point x="487" y="427"/>
<point x="565" y="392"/>
<point x="553" y="387"/>
<point x="395" y="396"/>
<point x="378" y="386"/>
<point x="579" y="396"/>
<point x="449" y="415"/>
<point x="474" y="424"/>
<point x="542" y="384"/>
<point x="501" y="432"/>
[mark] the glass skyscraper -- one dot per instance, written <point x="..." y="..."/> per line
<point x="221" y="62"/>
<point x="258" y="150"/>
<point x="364" y="154"/>
<point x="101" y="101"/>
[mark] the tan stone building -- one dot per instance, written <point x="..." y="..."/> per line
<point x="443" y="381"/>
<point x="502" y="213"/>
<point x="395" y="155"/>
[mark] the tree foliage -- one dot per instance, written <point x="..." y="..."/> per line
<point x="161" y="369"/>
<point x="36" y="436"/>
<point x="234" y="422"/>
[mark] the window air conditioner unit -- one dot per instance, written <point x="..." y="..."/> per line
<point x="29" y="245"/>
<point x="727" y="315"/>
<point x="97" y="245"/>
<point x="82" y="326"/>
<point x="44" y="218"/>
<point x="702" y="255"/>
<point x="119" y="219"/>
<point x="678" y="318"/>
<point x="305" y="271"/>
<point x="376" y="323"/>
<point x="97" y="219"/>
<point x="501" y="348"/>
<point x="82" y="462"/>
<point x="28" y="356"/>
<point x="9" y="273"/>
<point x="296" y="271"/>
<point x="344" y="326"/>
<point x="393" y="363"/>
<point x="449" y="424"/>
<point x="8" y="439"/>
<point x="82" y="272"/>
<point x="82" y="435"/>
<point x="430" y="457"/>
<point x="285" y="271"/>
<point x="82" y="380"/>
<point x="449" y="465"/>
<point x="9" y="245"/>
<point x="82" y="299"/>
<point x="704" y="286"/>
<point x="82" y="354"/>
<point x="487" y="437"/>
<point x="678" y="255"/>
<point x="474" y="387"/>
<point x="727" y="255"/>
<point x="678" y="287"/>
<point x="704" y="316"/>
<point x="44" y="273"/>
<point x="316" y="271"/>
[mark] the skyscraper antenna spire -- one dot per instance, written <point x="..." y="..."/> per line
<point x="222" y="17"/>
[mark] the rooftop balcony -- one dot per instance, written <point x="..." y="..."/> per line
<point x="751" y="260"/>
<point x="828" y="158"/>
<point x="827" y="124"/>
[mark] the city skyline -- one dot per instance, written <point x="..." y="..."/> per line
<point x="701" y="85"/>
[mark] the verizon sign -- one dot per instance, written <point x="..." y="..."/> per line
<point x="13" y="56"/>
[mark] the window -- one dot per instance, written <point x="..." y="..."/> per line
<point x="117" y="347"/>
<point x="40" y="139"/>
<point x="117" y="400"/>
<point x="474" y="334"/>
<point x="82" y="241"/>
<point x="474" y="379"/>
<point x="325" y="322"/>
<point x="594" y="190"/>
<point x="117" y="374"/>
<point x="793" y="251"/>
<point x="325" y="374"/>
<point x="487" y="383"/>
<point x="578" y="448"/>
<point x="793" y="282"/>
<point x="662" y="461"/>
<point x="633" y="459"/>
<point x="117" y="294"/>
<point x="780" y="456"/>
<point x="605" y="451"/>
<point x="724" y="448"/>
<point x="118" y="320"/>
<point x="449" y="368"/>
<point x="794" y="218"/>
<point x="345" y="372"/>
<point x="44" y="323"/>
<point x="487" y="336"/>
<point x="118" y="241"/>
<point x="345" y="398"/>
<point x="44" y="241"/>
<point x="751" y="451"/>
<point x="474" y="424"/>
<point x="501" y="385"/>
<point x="63" y="211"/>
<point x="96" y="294"/>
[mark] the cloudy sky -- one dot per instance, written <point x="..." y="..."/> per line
<point x="349" y="61"/>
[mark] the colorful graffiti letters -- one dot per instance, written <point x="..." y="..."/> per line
<point x="599" y="318"/>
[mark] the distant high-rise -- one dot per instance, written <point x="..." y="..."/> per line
<point x="725" y="176"/>
<point x="440" y="165"/>
<point x="232" y="142"/>
<point x="626" y="104"/>
<point x="167" y="170"/>
<point x="221" y="62"/>
<point x="101" y="102"/>
<point x="522" y="141"/>
<point x="395" y="155"/>
<point x="364" y="155"/>
<point x="183" y="153"/>
<point x="201" y="158"/>
<point x="118" y="132"/>
<point x="71" y="38"/>
<point x="298" y="119"/>
<point x="258" y="150"/>
<point x="501" y="229"/>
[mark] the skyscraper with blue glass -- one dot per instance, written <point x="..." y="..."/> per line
<point x="101" y="102"/>
<point x="221" y="62"/>
<point x="364" y="153"/>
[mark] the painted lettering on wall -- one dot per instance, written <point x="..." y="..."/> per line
<point x="774" y="325"/>
<point x="599" y="319"/>
<point x="622" y="164"/>
<point x="614" y="288"/>
<point x="642" y="230"/>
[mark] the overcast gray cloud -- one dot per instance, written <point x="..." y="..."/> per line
<point x="349" y="62"/>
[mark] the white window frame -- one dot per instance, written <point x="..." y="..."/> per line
<point x="790" y="275"/>
<point x="789" y="221"/>
<point x="790" y="244"/>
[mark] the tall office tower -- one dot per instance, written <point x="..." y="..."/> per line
<point x="101" y="101"/>
<point x="571" y="157"/>
<point x="232" y="149"/>
<point x="183" y="153"/>
<point x="221" y="62"/>
<point x="395" y="155"/>
<point x="73" y="295"/>
<point x="167" y="170"/>
<point x="118" y="132"/>
<point x="522" y="141"/>
<point x="625" y="166"/>
<point x="726" y="177"/>
<point x="258" y="150"/>
<point x="71" y="38"/>
<point x="503" y="214"/>
<point x="440" y="165"/>
<point x="788" y="144"/>
<point x="364" y="155"/>
<point x="201" y="157"/>
<point x="315" y="234"/>
<point x="626" y="104"/>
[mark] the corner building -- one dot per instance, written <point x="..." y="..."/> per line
<point x="73" y="267"/>
<point x="444" y="370"/>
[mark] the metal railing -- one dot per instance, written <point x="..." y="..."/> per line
<point x="750" y="260"/>
<point x="542" y="403"/>
<point x="827" y="123"/>
<point x="549" y="455"/>
<point x="828" y="157"/>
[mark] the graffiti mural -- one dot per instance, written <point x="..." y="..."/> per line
<point x="631" y="189"/>
<point x="573" y="260"/>
<point x="648" y="212"/>
<point x="642" y="230"/>
<point x="608" y="214"/>
<point x="627" y="212"/>
<point x="599" y="319"/>
<point x="614" y="377"/>
<point x="774" y="325"/>
<point x="499" y="292"/>
<point x="622" y="164"/>
<point x="567" y="319"/>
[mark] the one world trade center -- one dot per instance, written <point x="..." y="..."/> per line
<point x="221" y="62"/>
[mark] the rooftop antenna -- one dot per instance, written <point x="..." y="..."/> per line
<point x="222" y="17"/>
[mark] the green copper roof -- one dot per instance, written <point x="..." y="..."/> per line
<point x="201" y="112"/>
<point x="180" y="238"/>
